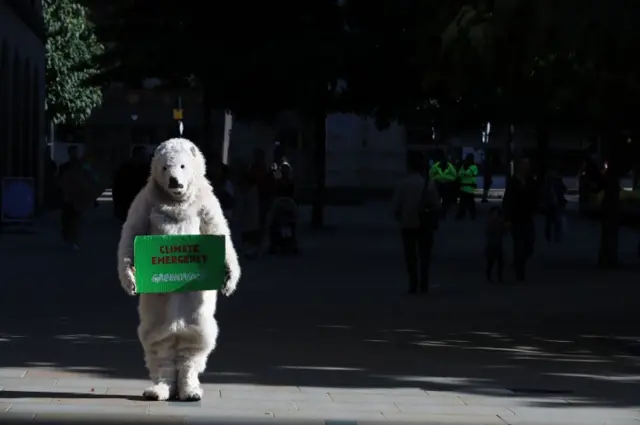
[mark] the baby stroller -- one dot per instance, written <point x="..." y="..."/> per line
<point x="282" y="220"/>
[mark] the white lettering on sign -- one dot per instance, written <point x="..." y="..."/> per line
<point x="175" y="277"/>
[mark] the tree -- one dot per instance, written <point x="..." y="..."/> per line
<point x="72" y="49"/>
<point x="285" y="54"/>
<point x="395" y="58"/>
<point x="564" y="61"/>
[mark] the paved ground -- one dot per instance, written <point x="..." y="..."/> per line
<point x="330" y="335"/>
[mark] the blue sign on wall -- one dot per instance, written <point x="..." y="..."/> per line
<point x="18" y="199"/>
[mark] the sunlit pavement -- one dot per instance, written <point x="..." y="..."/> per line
<point x="331" y="336"/>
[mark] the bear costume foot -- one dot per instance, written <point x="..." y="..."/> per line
<point x="158" y="392"/>
<point x="190" y="393"/>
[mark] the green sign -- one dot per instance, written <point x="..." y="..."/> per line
<point x="179" y="263"/>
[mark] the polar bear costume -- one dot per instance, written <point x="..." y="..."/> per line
<point x="177" y="331"/>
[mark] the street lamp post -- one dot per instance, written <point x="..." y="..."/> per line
<point x="510" y="149"/>
<point x="226" y="140"/>
<point x="178" y="116"/>
<point x="133" y="99"/>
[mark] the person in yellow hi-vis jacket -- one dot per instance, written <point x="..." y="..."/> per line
<point x="467" y="176"/>
<point x="444" y="174"/>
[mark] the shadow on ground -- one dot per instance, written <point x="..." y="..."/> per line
<point x="343" y="322"/>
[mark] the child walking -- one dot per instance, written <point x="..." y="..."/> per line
<point x="496" y="231"/>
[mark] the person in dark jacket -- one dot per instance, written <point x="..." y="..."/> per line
<point x="52" y="195"/>
<point x="260" y="174"/>
<point x="223" y="188"/>
<point x="487" y="178"/>
<point x="130" y="178"/>
<point x="519" y="206"/>
<point x="554" y="191"/>
<point x="70" y="215"/>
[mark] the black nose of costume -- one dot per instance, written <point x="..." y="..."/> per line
<point x="174" y="184"/>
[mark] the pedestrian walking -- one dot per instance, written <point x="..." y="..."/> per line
<point x="224" y="189"/>
<point x="493" y="250"/>
<point x="249" y="216"/>
<point x="260" y="173"/>
<point x="519" y="205"/>
<point x="443" y="173"/>
<point x="467" y="177"/>
<point x="416" y="207"/>
<point x="130" y="178"/>
<point x="80" y="190"/>
<point x="487" y="178"/>
<point x="554" y="191"/>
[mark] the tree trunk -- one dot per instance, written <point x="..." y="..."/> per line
<point x="608" y="255"/>
<point x="509" y="156"/>
<point x="320" y="159"/>
<point x="543" y="134"/>
<point x="207" y="127"/>
<point x="226" y="137"/>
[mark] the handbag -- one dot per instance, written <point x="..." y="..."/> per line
<point x="428" y="218"/>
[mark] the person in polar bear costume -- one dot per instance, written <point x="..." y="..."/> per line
<point x="177" y="331"/>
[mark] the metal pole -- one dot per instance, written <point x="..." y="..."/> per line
<point x="226" y="141"/>
<point x="180" y="124"/>
<point x="52" y="140"/>
<point x="510" y="149"/>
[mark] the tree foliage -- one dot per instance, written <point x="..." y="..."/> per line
<point x="547" y="63"/>
<point x="251" y="58"/>
<point x="248" y="57"/>
<point x="545" y="60"/>
<point x="72" y="49"/>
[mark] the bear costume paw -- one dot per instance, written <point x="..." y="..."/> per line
<point x="128" y="281"/>
<point x="190" y="393"/>
<point x="230" y="282"/>
<point x="158" y="392"/>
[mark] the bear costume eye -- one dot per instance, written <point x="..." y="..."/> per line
<point x="164" y="168"/>
<point x="182" y="166"/>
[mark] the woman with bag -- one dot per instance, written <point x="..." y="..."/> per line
<point x="416" y="207"/>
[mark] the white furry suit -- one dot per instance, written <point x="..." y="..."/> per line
<point x="177" y="331"/>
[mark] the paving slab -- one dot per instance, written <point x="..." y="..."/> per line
<point x="331" y="336"/>
<point x="453" y="410"/>
<point x="471" y="400"/>
<point x="32" y="384"/>
<point x="561" y="420"/>
<point x="41" y="408"/>
<point x="255" y="404"/>
<point x="331" y="406"/>
<point x="254" y="421"/>
<point x="345" y="397"/>
<point x="257" y="389"/>
<point x="112" y="418"/>
<point x="247" y="396"/>
<point x="134" y="392"/>
<point x="11" y="372"/>
<point x="246" y="412"/>
<point x="103" y="383"/>
<point x="413" y="418"/>
<point x="364" y="391"/>
<point x="574" y="413"/>
<point x="19" y="417"/>
<point x="329" y="415"/>
<point x="86" y="390"/>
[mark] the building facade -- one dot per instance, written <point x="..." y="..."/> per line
<point x="22" y="91"/>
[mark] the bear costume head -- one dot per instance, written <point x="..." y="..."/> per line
<point x="177" y="167"/>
